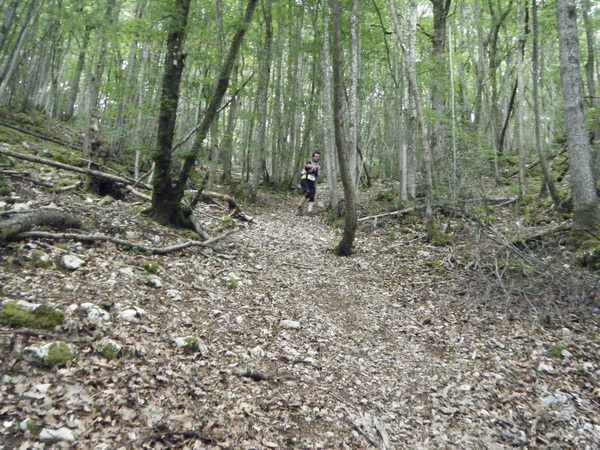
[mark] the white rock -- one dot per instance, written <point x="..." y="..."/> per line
<point x="21" y="206"/>
<point x="62" y="434"/>
<point x="154" y="281"/>
<point x="24" y="425"/>
<point x="24" y="304"/>
<point x="175" y="295"/>
<point x="72" y="262"/>
<point x="95" y="313"/>
<point x="132" y="314"/>
<point x="42" y="388"/>
<point x="126" y="271"/>
<point x="566" y="354"/>
<point x="257" y="352"/>
<point x="465" y="388"/>
<point x="183" y="341"/>
<point x="545" y="368"/>
<point x="291" y="324"/>
<point x="291" y="351"/>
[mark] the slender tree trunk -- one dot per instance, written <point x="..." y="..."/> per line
<point x="262" y="97"/>
<point x="591" y="78"/>
<point x="520" y="102"/>
<point x="535" y="75"/>
<point x="344" y="248"/>
<point x="354" y="105"/>
<point x="14" y="56"/>
<point x="586" y="208"/>
<point x="328" y="125"/>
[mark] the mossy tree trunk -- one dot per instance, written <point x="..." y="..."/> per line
<point x="166" y="203"/>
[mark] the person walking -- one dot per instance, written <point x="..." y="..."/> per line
<point x="308" y="180"/>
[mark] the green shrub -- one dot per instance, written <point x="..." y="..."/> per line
<point x="43" y="316"/>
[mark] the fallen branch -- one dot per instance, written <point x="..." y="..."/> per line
<point x="121" y="242"/>
<point x="91" y="173"/>
<point x="234" y="208"/>
<point x="399" y="213"/>
<point x="20" y="223"/>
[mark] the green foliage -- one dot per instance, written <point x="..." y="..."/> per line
<point x="41" y="259"/>
<point x="588" y="255"/>
<point x="59" y="354"/>
<point x="441" y="239"/>
<point x="109" y="351"/>
<point x="555" y="351"/>
<point x="232" y="283"/>
<point x="192" y="235"/>
<point x="43" y="316"/>
<point x="191" y="345"/>
<point x="33" y="427"/>
<point x="151" y="267"/>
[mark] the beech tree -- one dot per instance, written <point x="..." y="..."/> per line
<point x="586" y="207"/>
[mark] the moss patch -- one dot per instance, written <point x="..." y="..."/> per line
<point x="151" y="267"/>
<point x="43" y="316"/>
<point x="59" y="354"/>
<point x="41" y="259"/>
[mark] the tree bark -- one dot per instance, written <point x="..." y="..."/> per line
<point x="586" y="208"/>
<point x="344" y="248"/>
<point x="166" y="203"/>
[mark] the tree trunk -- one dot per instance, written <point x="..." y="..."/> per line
<point x="344" y="248"/>
<point x="166" y="204"/>
<point x="328" y="125"/>
<point x="586" y="208"/>
<point x="535" y="75"/>
<point x="262" y="98"/>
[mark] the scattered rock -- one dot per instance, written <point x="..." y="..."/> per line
<point x="72" y="262"/>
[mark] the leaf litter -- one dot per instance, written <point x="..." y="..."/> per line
<point x="403" y="345"/>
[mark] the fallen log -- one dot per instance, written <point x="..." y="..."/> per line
<point x="21" y="223"/>
<point x="88" y="172"/>
<point x="121" y="242"/>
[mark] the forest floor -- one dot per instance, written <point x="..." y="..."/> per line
<point x="402" y="345"/>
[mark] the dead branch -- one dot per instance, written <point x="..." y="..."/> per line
<point x="121" y="242"/>
<point x="526" y="241"/>
<point x="234" y="208"/>
<point x="399" y="213"/>
<point x="21" y="223"/>
<point x="91" y="173"/>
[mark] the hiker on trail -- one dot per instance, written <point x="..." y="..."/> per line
<point x="308" y="179"/>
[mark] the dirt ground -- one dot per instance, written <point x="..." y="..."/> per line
<point x="402" y="345"/>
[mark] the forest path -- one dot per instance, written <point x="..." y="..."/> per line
<point x="361" y="316"/>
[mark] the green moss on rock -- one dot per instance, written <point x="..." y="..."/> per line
<point x="59" y="354"/>
<point x="43" y="316"/>
<point x="41" y="259"/>
<point x="151" y="267"/>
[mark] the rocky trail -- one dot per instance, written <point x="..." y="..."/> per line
<point x="268" y="340"/>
